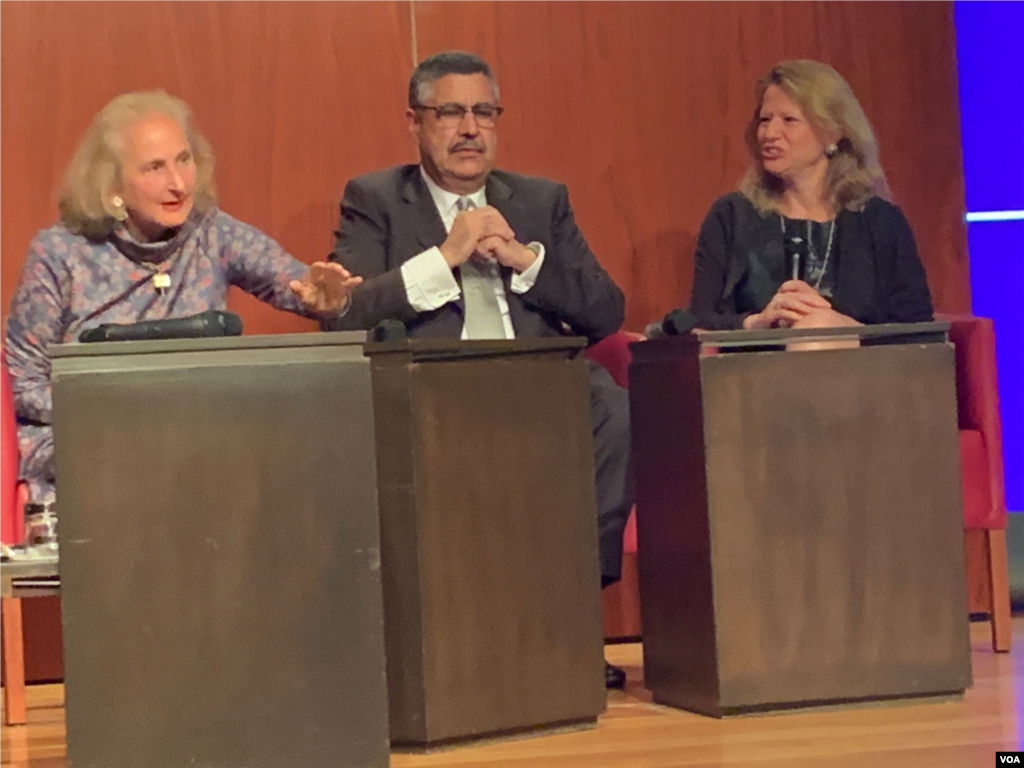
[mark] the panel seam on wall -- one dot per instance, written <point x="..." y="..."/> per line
<point x="412" y="28"/>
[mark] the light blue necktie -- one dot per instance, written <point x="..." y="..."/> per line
<point x="480" y="281"/>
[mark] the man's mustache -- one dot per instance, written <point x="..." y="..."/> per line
<point x="466" y="145"/>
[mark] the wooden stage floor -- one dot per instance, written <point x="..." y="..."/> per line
<point x="634" y="733"/>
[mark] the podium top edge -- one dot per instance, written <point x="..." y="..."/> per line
<point x="216" y="344"/>
<point x="904" y="333"/>
<point x="444" y="349"/>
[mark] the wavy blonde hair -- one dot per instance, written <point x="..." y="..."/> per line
<point x="854" y="173"/>
<point x="93" y="176"/>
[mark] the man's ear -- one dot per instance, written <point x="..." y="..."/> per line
<point x="412" y="119"/>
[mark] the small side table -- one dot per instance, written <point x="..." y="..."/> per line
<point x="35" y="577"/>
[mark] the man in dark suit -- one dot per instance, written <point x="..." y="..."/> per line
<point x="453" y="248"/>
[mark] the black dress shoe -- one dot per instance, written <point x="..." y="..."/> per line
<point x="614" y="677"/>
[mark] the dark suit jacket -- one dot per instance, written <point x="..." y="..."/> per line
<point x="740" y="264"/>
<point x="388" y="216"/>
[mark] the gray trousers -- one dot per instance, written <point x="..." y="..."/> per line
<point x="613" y="476"/>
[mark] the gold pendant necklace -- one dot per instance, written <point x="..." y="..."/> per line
<point x="161" y="281"/>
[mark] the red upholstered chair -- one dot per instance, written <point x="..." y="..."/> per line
<point x="41" y="621"/>
<point x="621" y="600"/>
<point x="981" y="472"/>
<point x="12" y="526"/>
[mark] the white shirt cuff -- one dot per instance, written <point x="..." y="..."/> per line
<point x="523" y="281"/>
<point x="429" y="282"/>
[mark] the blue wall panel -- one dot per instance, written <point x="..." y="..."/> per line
<point x="997" y="249"/>
<point x="990" y="58"/>
<point x="990" y="55"/>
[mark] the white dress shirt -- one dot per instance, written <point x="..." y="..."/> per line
<point x="429" y="282"/>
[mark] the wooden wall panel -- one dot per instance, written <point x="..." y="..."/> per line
<point x="640" y="108"/>
<point x="294" y="96"/>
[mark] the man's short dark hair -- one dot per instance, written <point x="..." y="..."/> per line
<point x="446" y="63"/>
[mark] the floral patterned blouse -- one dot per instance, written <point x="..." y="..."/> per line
<point x="70" y="284"/>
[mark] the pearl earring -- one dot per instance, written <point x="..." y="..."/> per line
<point x="120" y="213"/>
<point x="830" y="150"/>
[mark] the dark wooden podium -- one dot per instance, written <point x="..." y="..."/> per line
<point x="798" y="515"/>
<point x="220" y="561"/>
<point x="489" y="538"/>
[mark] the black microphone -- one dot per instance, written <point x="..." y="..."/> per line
<point x="679" y="321"/>
<point x="210" y="323"/>
<point x="676" y="323"/>
<point x="388" y="330"/>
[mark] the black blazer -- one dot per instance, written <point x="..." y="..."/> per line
<point x="389" y="216"/>
<point x="740" y="264"/>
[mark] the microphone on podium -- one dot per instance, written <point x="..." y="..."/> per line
<point x="388" y="330"/>
<point x="679" y="321"/>
<point x="211" y="323"/>
<point x="676" y="323"/>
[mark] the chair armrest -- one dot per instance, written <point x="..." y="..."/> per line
<point x="977" y="393"/>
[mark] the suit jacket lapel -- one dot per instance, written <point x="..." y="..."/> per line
<point x="500" y="196"/>
<point x="498" y="193"/>
<point x="423" y="217"/>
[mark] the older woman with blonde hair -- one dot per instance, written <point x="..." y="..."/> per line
<point x="139" y="238"/>
<point x="808" y="239"/>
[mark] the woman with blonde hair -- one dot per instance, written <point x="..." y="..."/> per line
<point x="139" y="238"/>
<point x="808" y="239"/>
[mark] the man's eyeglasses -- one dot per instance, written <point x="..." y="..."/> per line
<point x="450" y="115"/>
